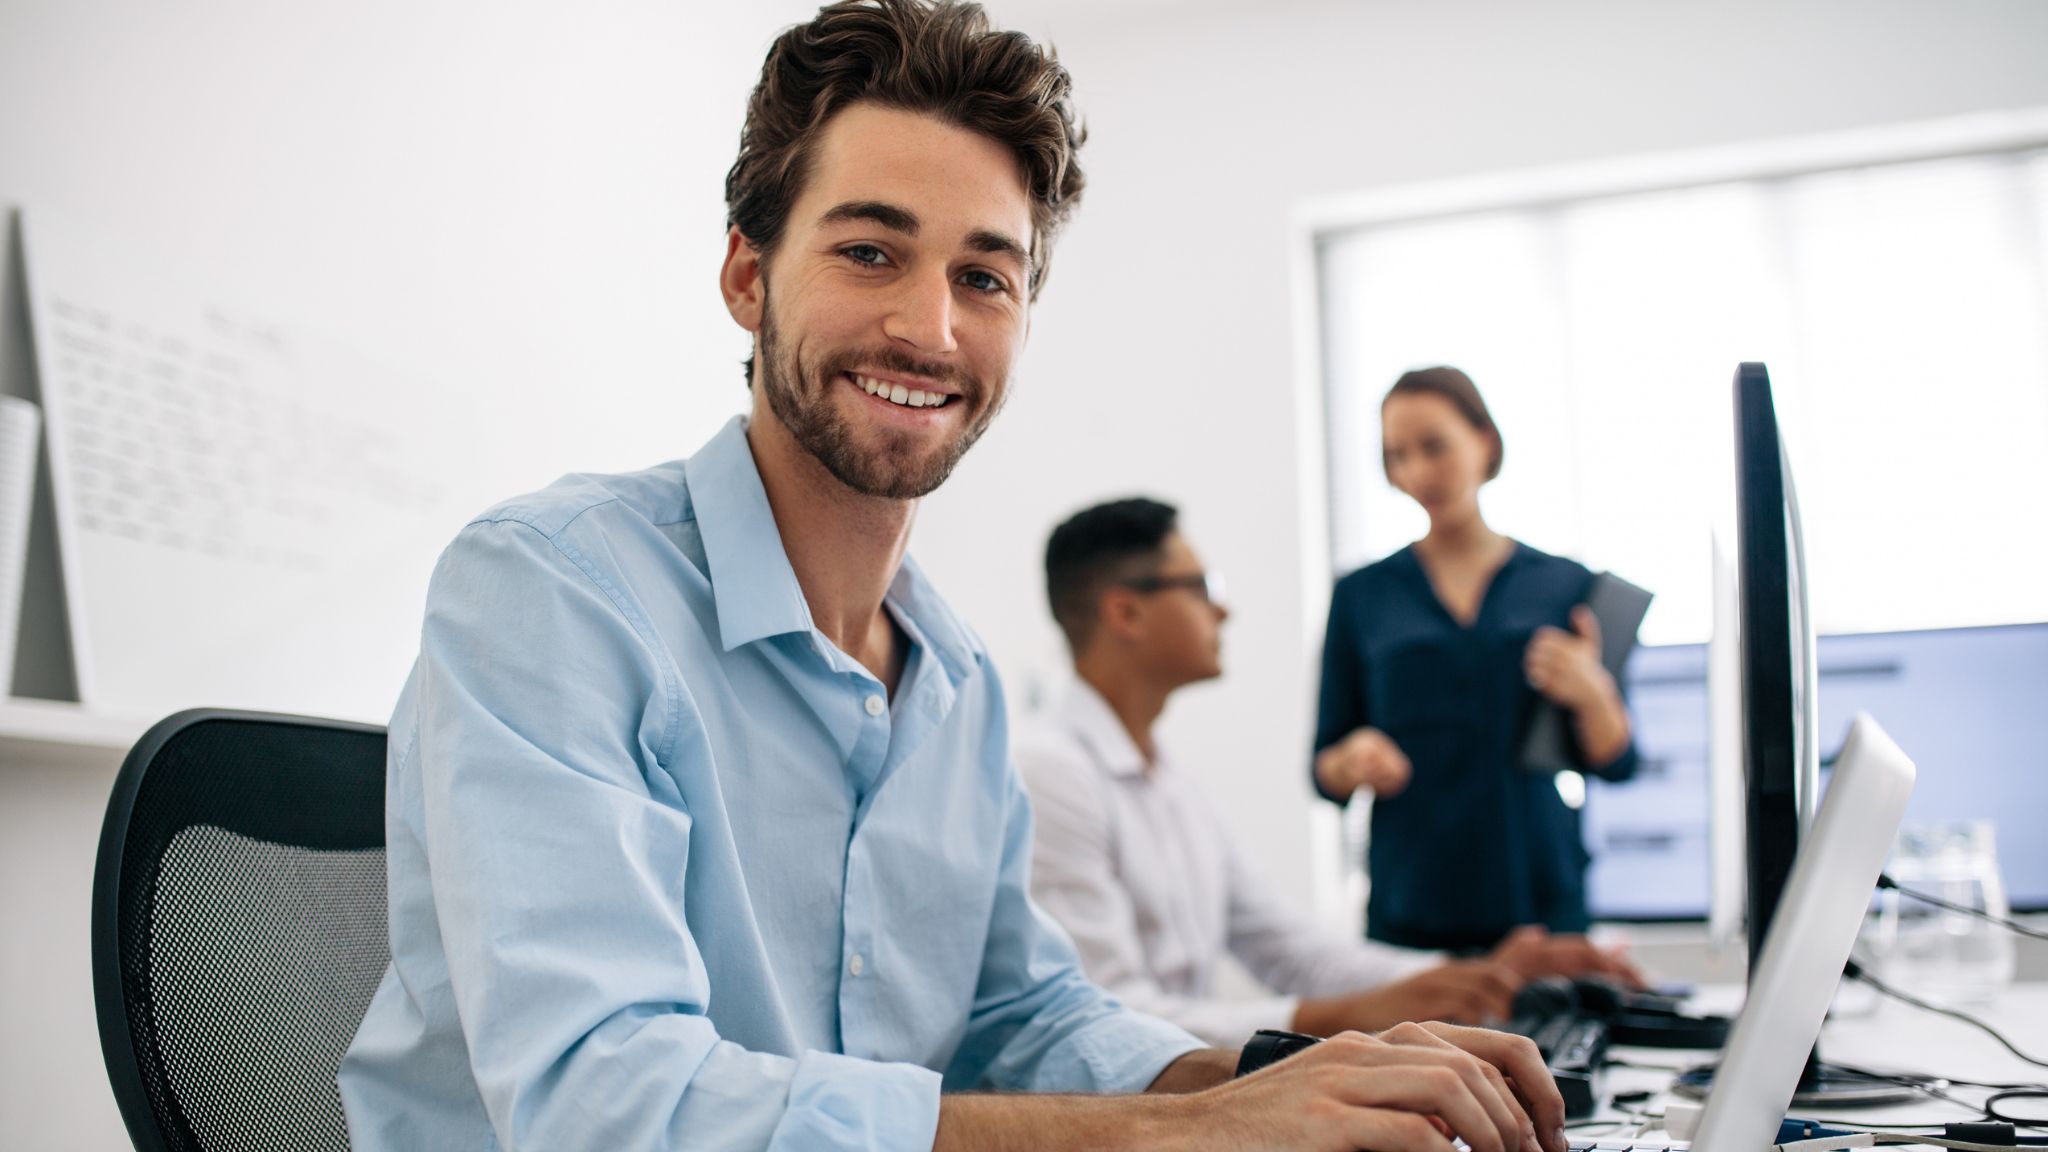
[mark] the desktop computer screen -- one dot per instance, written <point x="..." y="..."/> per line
<point x="1965" y="703"/>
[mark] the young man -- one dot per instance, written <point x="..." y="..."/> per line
<point x="702" y="831"/>
<point x="1146" y="876"/>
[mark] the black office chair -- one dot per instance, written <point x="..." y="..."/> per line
<point x="238" y="927"/>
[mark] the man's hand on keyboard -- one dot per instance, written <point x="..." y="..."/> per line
<point x="1413" y="1088"/>
<point x="1461" y="991"/>
<point x="1511" y="1062"/>
<point x="1534" y="953"/>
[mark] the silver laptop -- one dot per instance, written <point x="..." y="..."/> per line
<point x="1816" y="924"/>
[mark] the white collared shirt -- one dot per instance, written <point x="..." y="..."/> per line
<point x="1141" y="870"/>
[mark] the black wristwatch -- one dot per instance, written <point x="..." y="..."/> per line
<point x="1269" y="1046"/>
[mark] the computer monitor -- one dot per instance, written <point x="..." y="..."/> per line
<point x="1774" y="636"/>
<point x="1780" y="722"/>
<point x="1667" y="843"/>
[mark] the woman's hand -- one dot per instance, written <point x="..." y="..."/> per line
<point x="1565" y="666"/>
<point x="1368" y="758"/>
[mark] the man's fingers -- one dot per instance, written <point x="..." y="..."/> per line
<point x="1499" y="1084"/>
<point x="1615" y="962"/>
<point x="1517" y="1057"/>
<point x="1428" y="1091"/>
<point x="1389" y="1131"/>
<point x="1497" y="979"/>
<point x="1482" y="992"/>
<point x="1577" y="956"/>
<point x="1508" y="1113"/>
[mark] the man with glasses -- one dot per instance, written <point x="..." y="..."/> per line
<point x="1144" y="873"/>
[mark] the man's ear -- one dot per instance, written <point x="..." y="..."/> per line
<point x="739" y="280"/>
<point x="1119" y="613"/>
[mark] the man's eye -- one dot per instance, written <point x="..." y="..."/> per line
<point x="983" y="281"/>
<point x="866" y="254"/>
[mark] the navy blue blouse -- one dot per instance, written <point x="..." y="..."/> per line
<point x="1474" y="845"/>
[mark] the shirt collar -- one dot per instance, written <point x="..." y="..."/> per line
<point x="928" y="619"/>
<point x="1090" y="718"/>
<point x="751" y="579"/>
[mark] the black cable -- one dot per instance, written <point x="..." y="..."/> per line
<point x="1936" y="1087"/>
<point x="1855" y="972"/>
<point x="2035" y="1092"/>
<point x="1925" y="1085"/>
<point x="1952" y="1081"/>
<point x="1979" y="913"/>
<point x="1994" y="1087"/>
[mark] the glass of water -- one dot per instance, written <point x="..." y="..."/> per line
<point x="1935" y="953"/>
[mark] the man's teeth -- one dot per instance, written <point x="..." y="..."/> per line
<point x="898" y="394"/>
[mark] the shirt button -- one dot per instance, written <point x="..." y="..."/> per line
<point x="856" y="965"/>
<point x="876" y="706"/>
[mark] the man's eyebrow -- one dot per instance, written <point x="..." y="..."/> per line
<point x="897" y="219"/>
<point x="887" y="215"/>
<point x="997" y="244"/>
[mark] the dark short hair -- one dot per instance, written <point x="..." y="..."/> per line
<point x="941" y="58"/>
<point x="1456" y="387"/>
<point x="1096" y="547"/>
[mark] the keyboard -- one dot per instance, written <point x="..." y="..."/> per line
<point x="1573" y="1047"/>
<point x="1630" y="1144"/>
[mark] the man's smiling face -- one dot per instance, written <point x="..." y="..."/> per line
<point x="894" y="306"/>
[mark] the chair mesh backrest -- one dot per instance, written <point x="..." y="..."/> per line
<point x="251" y="928"/>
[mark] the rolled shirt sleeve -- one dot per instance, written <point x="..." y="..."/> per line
<point x="1038" y="1023"/>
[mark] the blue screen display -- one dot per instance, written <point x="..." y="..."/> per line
<point x="1969" y="705"/>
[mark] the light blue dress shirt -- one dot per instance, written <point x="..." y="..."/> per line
<point x="669" y="870"/>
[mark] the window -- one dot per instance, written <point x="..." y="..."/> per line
<point x="1896" y="284"/>
<point x="1902" y="309"/>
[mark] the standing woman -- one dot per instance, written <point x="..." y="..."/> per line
<point x="1435" y="657"/>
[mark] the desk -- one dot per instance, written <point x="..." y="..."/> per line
<point x="1889" y="1037"/>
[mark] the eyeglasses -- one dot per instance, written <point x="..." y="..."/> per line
<point x="1207" y="585"/>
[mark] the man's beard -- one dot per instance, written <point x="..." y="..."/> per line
<point x="801" y="397"/>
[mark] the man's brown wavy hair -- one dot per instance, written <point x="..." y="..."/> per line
<point x="942" y="59"/>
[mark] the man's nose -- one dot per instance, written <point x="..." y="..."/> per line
<point x="921" y="315"/>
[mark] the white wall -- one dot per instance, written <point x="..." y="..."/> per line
<point x="522" y="203"/>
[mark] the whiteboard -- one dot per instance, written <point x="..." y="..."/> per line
<point x="247" y="510"/>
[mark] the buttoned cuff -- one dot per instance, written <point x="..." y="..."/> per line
<point x="840" y="1102"/>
